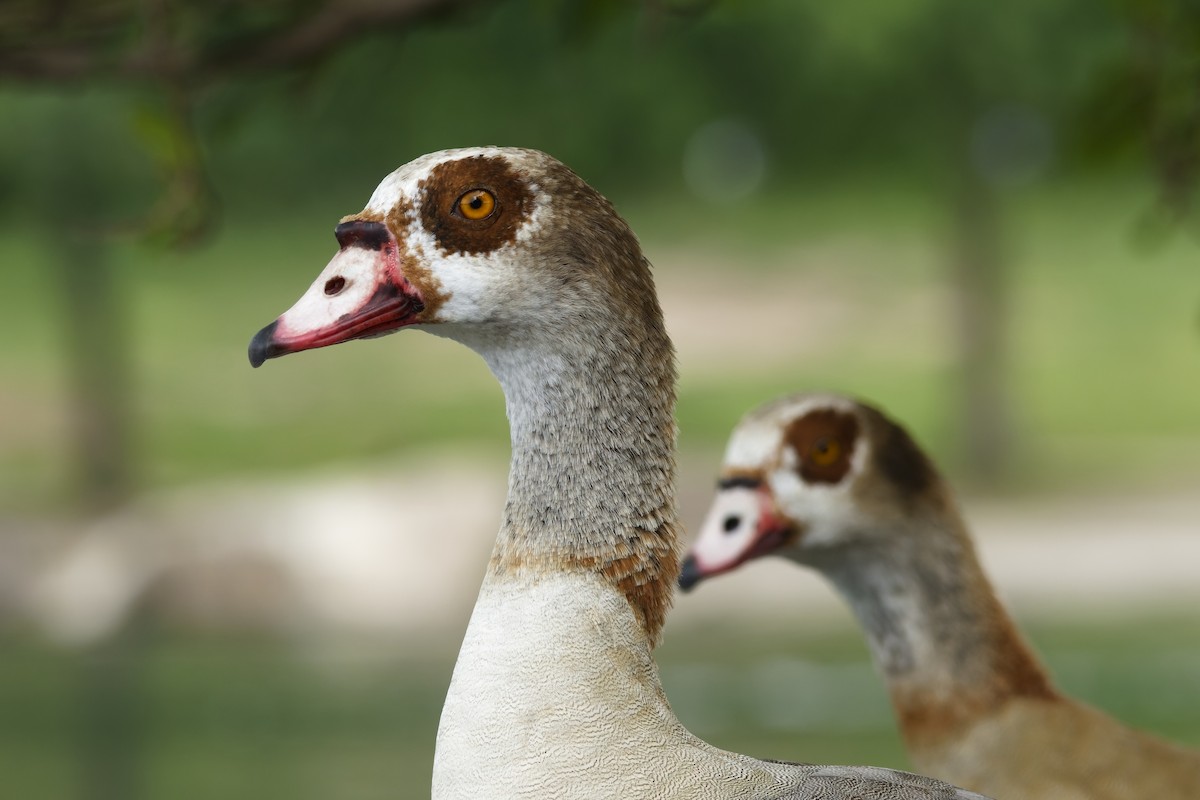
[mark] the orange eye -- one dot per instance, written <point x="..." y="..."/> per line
<point x="824" y="452"/>
<point x="477" y="204"/>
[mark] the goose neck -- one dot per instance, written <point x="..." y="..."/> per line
<point x="592" y="478"/>
<point x="946" y="646"/>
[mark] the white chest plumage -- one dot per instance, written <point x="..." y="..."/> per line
<point x="555" y="694"/>
<point x="550" y="683"/>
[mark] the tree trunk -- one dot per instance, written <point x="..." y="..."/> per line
<point x="97" y="358"/>
<point x="978" y="276"/>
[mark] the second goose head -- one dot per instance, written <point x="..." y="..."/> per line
<point x="809" y="476"/>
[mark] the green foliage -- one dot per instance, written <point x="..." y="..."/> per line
<point x="829" y="91"/>
<point x="617" y="88"/>
<point x="70" y="158"/>
<point x="1148" y="100"/>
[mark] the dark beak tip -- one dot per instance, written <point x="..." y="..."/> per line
<point x="689" y="575"/>
<point x="262" y="346"/>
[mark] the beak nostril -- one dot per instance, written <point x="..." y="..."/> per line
<point x="334" y="286"/>
<point x="731" y="523"/>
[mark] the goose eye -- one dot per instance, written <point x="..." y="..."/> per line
<point x="477" y="204"/>
<point x="824" y="452"/>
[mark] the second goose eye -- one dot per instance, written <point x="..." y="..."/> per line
<point x="476" y="204"/>
<point x="824" y="452"/>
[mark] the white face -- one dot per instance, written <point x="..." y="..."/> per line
<point x="770" y="500"/>
<point x="735" y="523"/>
<point x="418" y="254"/>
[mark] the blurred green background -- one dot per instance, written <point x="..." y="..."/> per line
<point x="975" y="215"/>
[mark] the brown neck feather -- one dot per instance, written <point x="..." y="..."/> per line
<point x="646" y="575"/>
<point x="948" y="649"/>
<point x="591" y="487"/>
<point x="1004" y="668"/>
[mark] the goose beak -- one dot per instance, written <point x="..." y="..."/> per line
<point x="361" y="294"/>
<point x="690" y="574"/>
<point x="742" y="524"/>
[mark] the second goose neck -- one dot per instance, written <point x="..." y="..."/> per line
<point x="946" y="646"/>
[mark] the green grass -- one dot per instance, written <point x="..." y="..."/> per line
<point x="204" y="717"/>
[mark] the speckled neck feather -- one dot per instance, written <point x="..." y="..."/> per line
<point x="946" y="646"/>
<point x="593" y="473"/>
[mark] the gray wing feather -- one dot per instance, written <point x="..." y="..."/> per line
<point x="865" y="783"/>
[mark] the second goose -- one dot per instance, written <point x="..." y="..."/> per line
<point x="835" y="485"/>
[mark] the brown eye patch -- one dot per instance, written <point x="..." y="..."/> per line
<point x="824" y="443"/>
<point x="449" y="182"/>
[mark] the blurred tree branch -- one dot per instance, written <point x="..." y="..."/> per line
<point x="1150" y="99"/>
<point x="198" y="42"/>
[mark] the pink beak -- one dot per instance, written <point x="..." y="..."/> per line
<point x="361" y="294"/>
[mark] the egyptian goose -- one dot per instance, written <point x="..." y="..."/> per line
<point x="555" y="693"/>
<point x="835" y="485"/>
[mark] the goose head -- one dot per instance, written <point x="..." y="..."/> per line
<point x="510" y="253"/>
<point x="809" y="477"/>
<point x="476" y="244"/>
